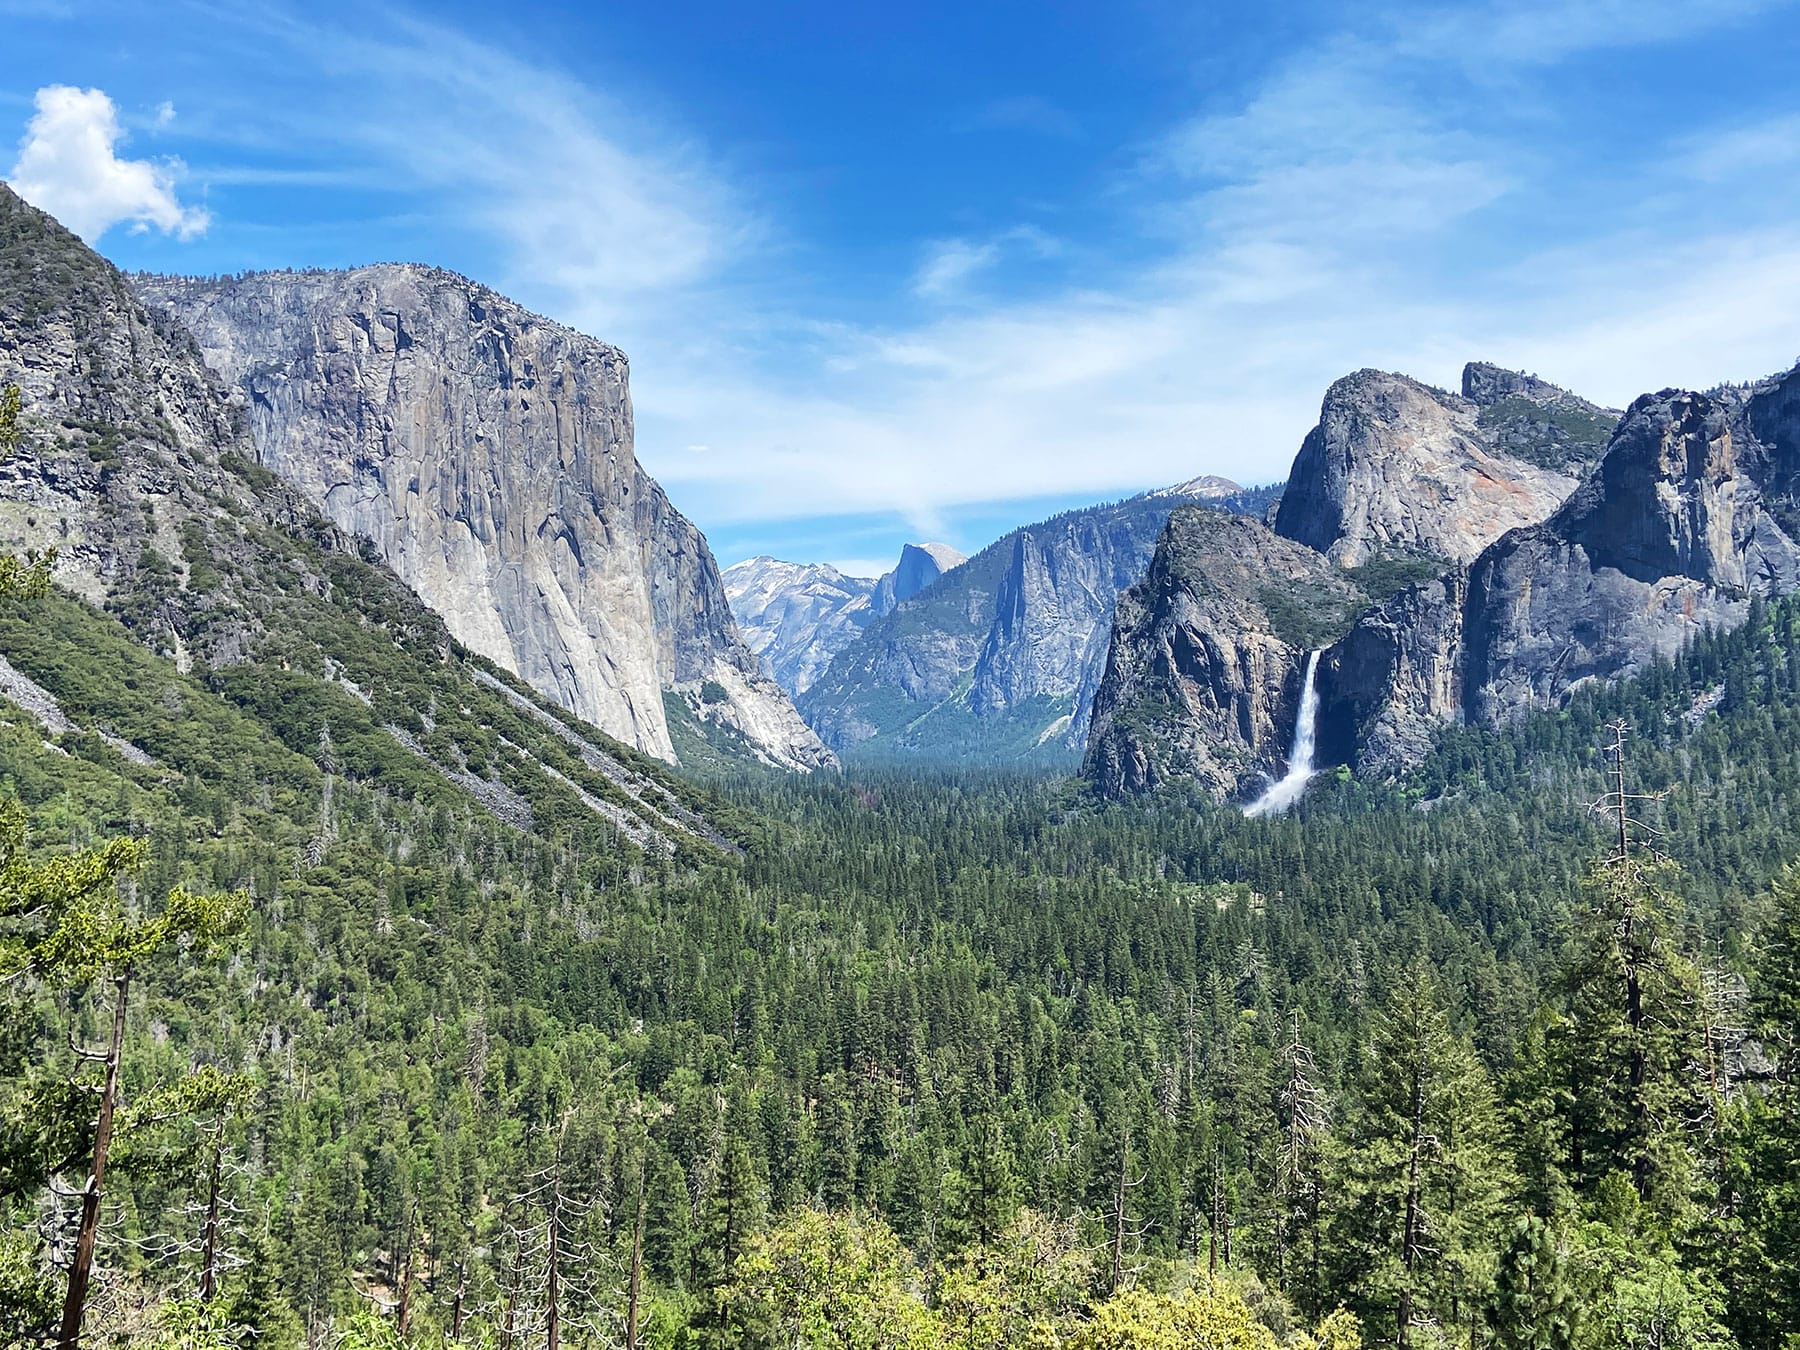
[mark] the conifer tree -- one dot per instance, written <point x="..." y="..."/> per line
<point x="1417" y="1177"/>
<point x="1627" y="1047"/>
<point x="1763" y="1274"/>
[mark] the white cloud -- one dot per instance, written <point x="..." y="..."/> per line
<point x="1335" y="216"/>
<point x="1540" y="32"/>
<point x="592" y="203"/>
<point x="952" y="264"/>
<point x="68" y="165"/>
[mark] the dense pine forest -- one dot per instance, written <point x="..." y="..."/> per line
<point x="901" y="1059"/>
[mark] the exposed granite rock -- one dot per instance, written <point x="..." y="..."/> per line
<point x="1000" y="658"/>
<point x="1203" y="678"/>
<point x="1687" y="517"/>
<point x="487" y="454"/>
<point x="1534" y="420"/>
<point x="127" y="439"/>
<point x="1396" y="468"/>
<point x="135" y="464"/>
<point x="797" y="616"/>
<point x="919" y="566"/>
<point x="1395" y="677"/>
<point x="1673" y="532"/>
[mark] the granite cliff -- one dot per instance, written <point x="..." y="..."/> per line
<point x="1392" y="495"/>
<point x="261" y="618"/>
<point x="487" y="455"/>
<point x="1689" y="515"/>
<point x="797" y="616"/>
<point x="999" y="659"/>
<point x="1395" y="468"/>
<point x="1204" y="672"/>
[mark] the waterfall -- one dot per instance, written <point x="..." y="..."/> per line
<point x="1286" y="791"/>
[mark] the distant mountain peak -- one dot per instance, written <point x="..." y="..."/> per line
<point x="1207" y="486"/>
<point x="797" y="616"/>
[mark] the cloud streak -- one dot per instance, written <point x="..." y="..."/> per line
<point x="1365" y="200"/>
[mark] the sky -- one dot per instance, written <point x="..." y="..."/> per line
<point x="929" y="271"/>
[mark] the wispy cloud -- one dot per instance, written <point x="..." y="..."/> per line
<point x="1363" y="200"/>
<point x="951" y="265"/>
<point x="1541" y="32"/>
<point x="588" y="202"/>
<point x="68" y="165"/>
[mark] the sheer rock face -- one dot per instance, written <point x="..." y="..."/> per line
<point x="1200" y="682"/>
<point x="1396" y="468"/>
<point x="1001" y="657"/>
<point x="797" y="616"/>
<point x="1689" y="515"/>
<point x="1692" y="510"/>
<point x="1053" y="611"/>
<point x="919" y="566"/>
<point x="487" y="453"/>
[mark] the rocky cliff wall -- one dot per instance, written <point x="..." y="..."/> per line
<point x="487" y="453"/>
<point x="1395" y="468"/>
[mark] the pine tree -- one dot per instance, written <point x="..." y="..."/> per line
<point x="1629" y="1043"/>
<point x="1763" y="1275"/>
<point x="1536" y="1305"/>
<point x="64" y="924"/>
<point x="1417" y="1176"/>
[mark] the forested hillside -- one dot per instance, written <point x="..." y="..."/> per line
<point x="893" y="1059"/>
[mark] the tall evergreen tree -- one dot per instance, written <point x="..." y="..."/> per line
<point x="1417" y="1176"/>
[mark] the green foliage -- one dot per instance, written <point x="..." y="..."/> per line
<point x="11" y="406"/>
<point x="1627" y="1042"/>
<point x="1306" y="617"/>
<point x="950" y="1011"/>
<point x="1566" y="438"/>
<point x="1535" y="1304"/>
<point x="1417" y="1179"/>
<point x="1388" y="574"/>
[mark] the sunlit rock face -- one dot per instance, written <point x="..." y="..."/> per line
<point x="1397" y="468"/>
<point x="1689" y="515"/>
<point x="1204" y="678"/>
<point x="487" y="453"/>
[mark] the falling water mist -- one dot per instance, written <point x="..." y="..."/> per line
<point x="1287" y="789"/>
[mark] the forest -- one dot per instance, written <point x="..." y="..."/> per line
<point x="1503" y="1053"/>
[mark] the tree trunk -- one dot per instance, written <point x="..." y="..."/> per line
<point x="209" y="1254"/>
<point x="75" y="1305"/>
<point x="637" y="1260"/>
<point x="553" y="1294"/>
<point x="1409" y="1241"/>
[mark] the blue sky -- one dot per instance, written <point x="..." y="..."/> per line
<point x="891" y="272"/>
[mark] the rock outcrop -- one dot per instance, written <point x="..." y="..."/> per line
<point x="134" y="464"/>
<point x="1395" y="492"/>
<point x="487" y="454"/>
<point x="125" y="439"/>
<point x="1000" y="659"/>
<point x="1690" y="514"/>
<point x="797" y="616"/>
<point x="919" y="566"/>
<point x="1203" y="679"/>
<point x="1395" y="468"/>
